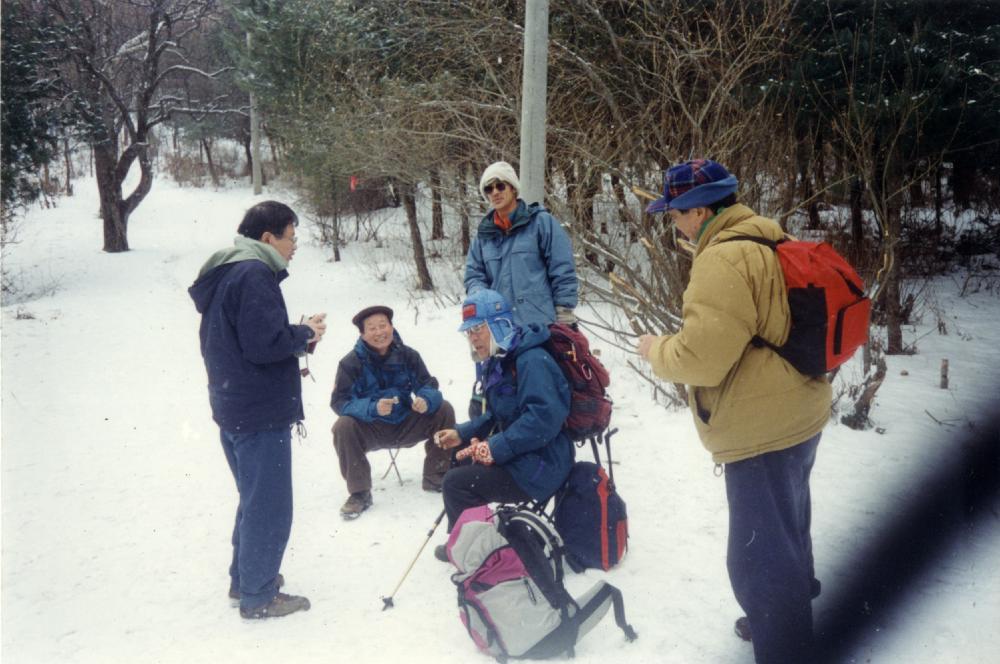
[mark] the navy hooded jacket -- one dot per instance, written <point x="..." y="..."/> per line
<point x="527" y="402"/>
<point x="249" y="348"/>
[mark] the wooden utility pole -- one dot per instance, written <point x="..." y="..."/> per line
<point x="533" y="103"/>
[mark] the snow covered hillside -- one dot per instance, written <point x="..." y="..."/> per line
<point x="117" y="505"/>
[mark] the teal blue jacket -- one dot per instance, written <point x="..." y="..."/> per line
<point x="531" y="265"/>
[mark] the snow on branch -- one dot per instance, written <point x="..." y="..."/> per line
<point x="173" y="69"/>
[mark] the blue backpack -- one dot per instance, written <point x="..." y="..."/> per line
<point x="591" y="517"/>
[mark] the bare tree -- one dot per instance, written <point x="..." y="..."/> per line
<point x="464" y="194"/>
<point x="424" y="281"/>
<point x="667" y="83"/>
<point x="122" y="56"/>
<point x="437" y="214"/>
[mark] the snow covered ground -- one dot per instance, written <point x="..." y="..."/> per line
<point x="118" y="505"/>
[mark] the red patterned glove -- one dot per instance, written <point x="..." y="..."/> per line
<point x="479" y="452"/>
<point x="482" y="454"/>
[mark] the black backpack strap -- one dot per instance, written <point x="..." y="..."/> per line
<point x="758" y="341"/>
<point x="607" y="444"/>
<point x="617" y="602"/>
<point x="773" y="244"/>
<point x="517" y="528"/>
<point x="594" y="441"/>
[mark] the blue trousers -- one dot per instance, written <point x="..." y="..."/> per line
<point x="261" y="463"/>
<point x="770" y="559"/>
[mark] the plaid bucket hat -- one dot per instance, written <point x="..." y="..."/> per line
<point x="695" y="183"/>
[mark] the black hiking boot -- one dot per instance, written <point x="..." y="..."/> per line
<point x="234" y="591"/>
<point x="742" y="628"/>
<point x="441" y="553"/>
<point x="281" y="605"/>
<point x="356" y="504"/>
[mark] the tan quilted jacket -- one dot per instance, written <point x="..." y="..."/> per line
<point x="746" y="401"/>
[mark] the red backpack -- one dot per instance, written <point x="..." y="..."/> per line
<point x="590" y="408"/>
<point x="830" y="311"/>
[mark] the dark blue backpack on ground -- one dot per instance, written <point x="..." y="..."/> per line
<point x="591" y="517"/>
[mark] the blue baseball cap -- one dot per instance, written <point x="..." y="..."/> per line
<point x="490" y="307"/>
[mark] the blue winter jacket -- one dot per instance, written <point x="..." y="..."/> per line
<point x="531" y="265"/>
<point x="527" y="401"/>
<point x="247" y="344"/>
<point x="364" y="377"/>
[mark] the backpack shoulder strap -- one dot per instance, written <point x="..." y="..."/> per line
<point x="758" y="341"/>
<point x="519" y="527"/>
<point x="773" y="244"/>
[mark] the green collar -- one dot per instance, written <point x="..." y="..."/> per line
<point x="708" y="221"/>
<point x="245" y="249"/>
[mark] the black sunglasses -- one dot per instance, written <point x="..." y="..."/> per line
<point x="499" y="186"/>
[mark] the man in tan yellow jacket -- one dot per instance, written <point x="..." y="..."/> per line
<point x="759" y="417"/>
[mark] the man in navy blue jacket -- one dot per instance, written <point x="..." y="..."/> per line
<point x="255" y="390"/>
<point x="385" y="398"/>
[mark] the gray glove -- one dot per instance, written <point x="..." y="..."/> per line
<point x="565" y="316"/>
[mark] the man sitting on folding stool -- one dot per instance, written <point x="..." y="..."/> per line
<point x="385" y="398"/>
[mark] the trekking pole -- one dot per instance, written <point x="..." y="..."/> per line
<point x="387" y="601"/>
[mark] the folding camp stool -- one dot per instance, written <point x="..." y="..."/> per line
<point x="539" y="507"/>
<point x="393" y="452"/>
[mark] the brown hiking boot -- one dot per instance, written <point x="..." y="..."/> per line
<point x="234" y="591"/>
<point x="281" y="605"/>
<point x="356" y="504"/>
<point x="433" y="484"/>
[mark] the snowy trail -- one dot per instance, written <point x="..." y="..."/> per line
<point x="117" y="504"/>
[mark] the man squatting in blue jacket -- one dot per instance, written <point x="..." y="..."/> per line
<point x="385" y="398"/>
<point x="255" y="391"/>
<point x="517" y="449"/>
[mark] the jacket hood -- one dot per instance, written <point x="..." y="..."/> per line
<point x="525" y="337"/>
<point x="245" y="249"/>
<point x="203" y="290"/>
<point x="521" y="216"/>
<point x="532" y="335"/>
<point x="219" y="263"/>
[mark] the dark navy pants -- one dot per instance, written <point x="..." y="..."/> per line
<point x="770" y="558"/>
<point x="262" y="466"/>
<point x="473" y="484"/>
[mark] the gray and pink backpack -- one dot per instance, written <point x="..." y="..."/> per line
<point x="511" y="596"/>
